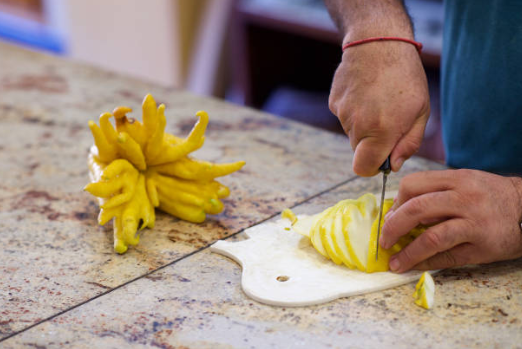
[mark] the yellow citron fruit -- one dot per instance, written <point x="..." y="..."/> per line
<point x="346" y="233"/>
<point x="137" y="167"/>
<point x="425" y="291"/>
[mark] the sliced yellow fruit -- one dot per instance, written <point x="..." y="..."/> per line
<point x="326" y="237"/>
<point x="346" y="233"/>
<point x="381" y="264"/>
<point x="362" y="214"/>
<point x="339" y="242"/>
<point x="304" y="226"/>
<point x="425" y="291"/>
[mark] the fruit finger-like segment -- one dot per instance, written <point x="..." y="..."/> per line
<point x="172" y="185"/>
<point x="129" y="221"/>
<point x="199" y="128"/>
<point x="189" y="213"/>
<point x="195" y="169"/>
<point x="119" y="243"/>
<point x="150" y="116"/>
<point x="128" y="190"/>
<point x="171" y="153"/>
<point x="194" y="141"/>
<point x="149" y="216"/>
<point x="152" y="192"/>
<point x="222" y="191"/>
<point x="120" y="115"/>
<point x="106" y="215"/>
<point x="143" y="202"/>
<point x="181" y="197"/>
<point x="106" y="126"/>
<point x="116" y="168"/>
<point x="213" y="206"/>
<point x="130" y="125"/>
<point x="131" y="150"/>
<point x="154" y="146"/>
<point x="106" y="151"/>
<point x="105" y="189"/>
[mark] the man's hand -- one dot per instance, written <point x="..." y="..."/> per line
<point x="474" y="217"/>
<point x="380" y="95"/>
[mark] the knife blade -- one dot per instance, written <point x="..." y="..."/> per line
<point x="385" y="169"/>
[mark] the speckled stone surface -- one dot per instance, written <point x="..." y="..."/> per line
<point x="62" y="285"/>
<point x="54" y="255"/>
<point x="198" y="303"/>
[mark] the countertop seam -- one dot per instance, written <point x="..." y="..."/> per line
<point x="173" y="262"/>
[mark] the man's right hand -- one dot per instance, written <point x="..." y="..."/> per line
<point x="380" y="95"/>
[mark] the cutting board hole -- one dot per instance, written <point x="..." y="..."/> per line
<point x="283" y="278"/>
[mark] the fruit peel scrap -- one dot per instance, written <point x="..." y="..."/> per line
<point x="425" y="291"/>
<point x="136" y="167"/>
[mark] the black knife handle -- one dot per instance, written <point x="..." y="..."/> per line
<point x="386" y="166"/>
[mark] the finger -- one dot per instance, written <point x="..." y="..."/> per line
<point x="439" y="238"/>
<point x="408" y="145"/>
<point x="431" y="207"/>
<point x="420" y="183"/>
<point x="457" y="256"/>
<point x="370" y="153"/>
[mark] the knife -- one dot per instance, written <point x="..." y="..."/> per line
<point x="385" y="169"/>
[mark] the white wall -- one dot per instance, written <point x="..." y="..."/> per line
<point x="137" y="37"/>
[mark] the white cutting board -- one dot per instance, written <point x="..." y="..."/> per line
<point x="273" y="253"/>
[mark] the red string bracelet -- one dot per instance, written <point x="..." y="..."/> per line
<point x="417" y="45"/>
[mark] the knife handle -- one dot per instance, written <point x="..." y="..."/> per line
<point x="386" y="166"/>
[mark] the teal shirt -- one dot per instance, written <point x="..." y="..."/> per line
<point x="482" y="85"/>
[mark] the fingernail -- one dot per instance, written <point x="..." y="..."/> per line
<point x="383" y="242"/>
<point x="398" y="163"/>
<point x="388" y="214"/>
<point x="395" y="264"/>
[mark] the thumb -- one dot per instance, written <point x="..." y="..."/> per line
<point x="408" y="144"/>
<point x="369" y="155"/>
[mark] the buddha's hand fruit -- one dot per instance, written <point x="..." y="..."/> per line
<point x="136" y="167"/>
<point x="346" y="233"/>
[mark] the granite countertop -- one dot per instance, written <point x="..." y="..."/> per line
<point x="62" y="285"/>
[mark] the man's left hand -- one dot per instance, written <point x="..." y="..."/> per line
<point x="474" y="217"/>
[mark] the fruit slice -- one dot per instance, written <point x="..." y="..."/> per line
<point x="358" y="229"/>
<point x="425" y="291"/>
<point x="315" y="236"/>
<point x="288" y="214"/>
<point x="338" y="240"/>
<point x="381" y="264"/>
<point x="304" y="225"/>
<point x="325" y="230"/>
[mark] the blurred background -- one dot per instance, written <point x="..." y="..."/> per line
<point x="274" y="55"/>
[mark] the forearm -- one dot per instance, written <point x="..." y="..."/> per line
<point x="360" y="19"/>
<point x="517" y="184"/>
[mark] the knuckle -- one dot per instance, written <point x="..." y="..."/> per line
<point x="432" y="240"/>
<point x="448" y="259"/>
<point x="410" y="146"/>
<point x="332" y="104"/>
<point x="403" y="187"/>
<point x="406" y="257"/>
<point x="414" y="207"/>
